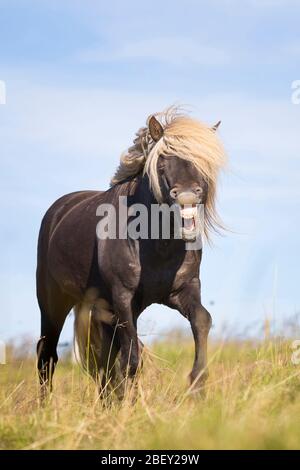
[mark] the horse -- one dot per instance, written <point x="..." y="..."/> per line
<point x="109" y="281"/>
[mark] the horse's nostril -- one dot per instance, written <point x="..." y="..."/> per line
<point x="173" y="193"/>
<point x="199" y="190"/>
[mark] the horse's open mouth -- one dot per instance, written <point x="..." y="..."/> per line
<point x="189" y="215"/>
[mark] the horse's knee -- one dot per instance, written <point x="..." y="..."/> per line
<point x="207" y="319"/>
<point x="201" y="319"/>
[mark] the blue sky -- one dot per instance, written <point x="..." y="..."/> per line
<point x="81" y="77"/>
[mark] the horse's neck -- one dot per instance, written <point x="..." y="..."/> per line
<point x="143" y="193"/>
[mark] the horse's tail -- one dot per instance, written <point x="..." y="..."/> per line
<point x="96" y="339"/>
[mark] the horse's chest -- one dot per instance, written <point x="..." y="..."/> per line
<point x="158" y="278"/>
<point x="157" y="283"/>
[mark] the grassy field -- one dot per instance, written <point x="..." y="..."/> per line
<point x="252" y="402"/>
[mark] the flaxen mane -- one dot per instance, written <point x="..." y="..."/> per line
<point x="184" y="137"/>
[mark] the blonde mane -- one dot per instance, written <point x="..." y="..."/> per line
<point x="186" y="138"/>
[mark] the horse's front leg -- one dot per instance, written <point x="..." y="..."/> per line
<point x="188" y="302"/>
<point x="127" y="333"/>
<point x="200" y="320"/>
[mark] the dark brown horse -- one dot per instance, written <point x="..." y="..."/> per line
<point x="110" y="281"/>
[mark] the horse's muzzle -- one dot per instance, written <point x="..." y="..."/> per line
<point x="190" y="221"/>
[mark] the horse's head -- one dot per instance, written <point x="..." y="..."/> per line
<point x="182" y="184"/>
<point x="181" y="158"/>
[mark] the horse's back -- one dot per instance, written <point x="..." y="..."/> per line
<point x="61" y="207"/>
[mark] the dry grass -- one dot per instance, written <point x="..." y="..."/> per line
<point x="253" y="401"/>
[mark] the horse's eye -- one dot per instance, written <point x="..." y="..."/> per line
<point x="173" y="193"/>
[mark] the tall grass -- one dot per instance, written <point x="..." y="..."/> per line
<point x="252" y="402"/>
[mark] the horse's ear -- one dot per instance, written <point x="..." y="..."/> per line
<point x="155" y="128"/>
<point x="215" y="127"/>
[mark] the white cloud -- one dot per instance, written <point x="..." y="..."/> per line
<point x="97" y="120"/>
<point x="266" y="128"/>
<point x="261" y="136"/>
<point x="273" y="3"/>
<point x="291" y="49"/>
<point x="257" y="193"/>
<point x="171" y="50"/>
<point x="79" y="120"/>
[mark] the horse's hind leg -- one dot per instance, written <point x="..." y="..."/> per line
<point x="112" y="378"/>
<point x="55" y="307"/>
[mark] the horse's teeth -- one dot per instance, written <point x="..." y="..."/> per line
<point x="188" y="212"/>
